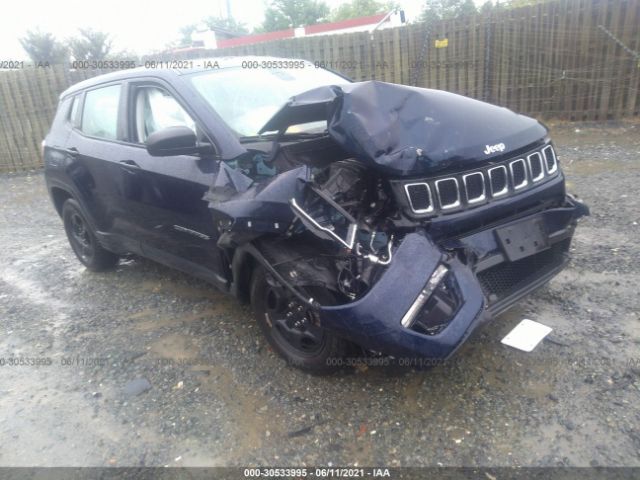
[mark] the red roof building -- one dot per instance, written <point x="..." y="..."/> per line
<point x="344" y="26"/>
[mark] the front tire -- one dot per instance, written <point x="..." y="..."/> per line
<point x="292" y="328"/>
<point x="83" y="241"/>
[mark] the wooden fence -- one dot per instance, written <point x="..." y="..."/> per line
<point x="28" y="102"/>
<point x="566" y="59"/>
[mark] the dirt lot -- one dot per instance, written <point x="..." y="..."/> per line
<point x="219" y="396"/>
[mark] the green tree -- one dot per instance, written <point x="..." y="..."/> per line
<point x="486" y="8"/>
<point x="90" y="45"/>
<point x="185" y="35"/>
<point x="360" y="8"/>
<point x="521" y="3"/>
<point x="123" y="55"/>
<point x="42" y="47"/>
<point x="442" y="9"/>
<point x="226" y="23"/>
<point x="283" y="14"/>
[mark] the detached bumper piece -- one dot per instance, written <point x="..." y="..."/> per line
<point x="429" y="301"/>
<point x="438" y="298"/>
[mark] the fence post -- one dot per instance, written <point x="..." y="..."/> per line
<point x="423" y="54"/>
<point x="486" y="79"/>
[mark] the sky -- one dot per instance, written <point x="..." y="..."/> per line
<point x="138" y="27"/>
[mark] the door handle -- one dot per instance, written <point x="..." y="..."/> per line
<point x="129" y="164"/>
<point x="72" y="152"/>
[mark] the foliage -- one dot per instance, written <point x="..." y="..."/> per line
<point x="487" y="7"/>
<point x="490" y="5"/>
<point x="283" y="14"/>
<point x="230" y="24"/>
<point x="42" y="47"/>
<point x="185" y="35"/>
<point x="521" y="3"/>
<point x="90" y="45"/>
<point x="122" y="55"/>
<point x="360" y="8"/>
<point x="442" y="9"/>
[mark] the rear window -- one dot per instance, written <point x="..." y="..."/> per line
<point x="62" y="113"/>
<point x="100" y="112"/>
<point x="74" y="113"/>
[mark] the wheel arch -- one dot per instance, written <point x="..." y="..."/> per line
<point x="247" y="256"/>
<point x="59" y="196"/>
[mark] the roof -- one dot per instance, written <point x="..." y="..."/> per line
<point x="199" y="66"/>
<point x="317" y="29"/>
<point x="343" y="24"/>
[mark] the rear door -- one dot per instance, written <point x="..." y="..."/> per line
<point x="163" y="195"/>
<point x="55" y="143"/>
<point x="95" y="168"/>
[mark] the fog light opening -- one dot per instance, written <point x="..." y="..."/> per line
<point x="423" y="296"/>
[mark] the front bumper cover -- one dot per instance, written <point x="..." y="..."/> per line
<point x="374" y="321"/>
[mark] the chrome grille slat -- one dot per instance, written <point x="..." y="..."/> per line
<point x="440" y="186"/>
<point x="498" y="193"/>
<point x="535" y="159"/>
<point x="517" y="164"/>
<point x="478" y="198"/>
<point x="550" y="157"/>
<point x="472" y="188"/>
<point x="415" y="206"/>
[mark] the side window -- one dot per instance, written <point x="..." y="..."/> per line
<point x="62" y="112"/>
<point x="156" y="109"/>
<point x="74" y="118"/>
<point x="100" y="112"/>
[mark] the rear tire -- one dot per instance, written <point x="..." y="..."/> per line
<point x="292" y="328"/>
<point x="83" y="241"/>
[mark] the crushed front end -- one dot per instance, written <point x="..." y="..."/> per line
<point x="474" y="249"/>
<point x="423" y="213"/>
<point x="441" y="285"/>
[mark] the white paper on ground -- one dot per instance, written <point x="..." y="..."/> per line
<point x="526" y="335"/>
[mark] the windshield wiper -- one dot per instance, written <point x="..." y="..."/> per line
<point x="285" y="136"/>
<point x="294" y="135"/>
<point x="255" y="138"/>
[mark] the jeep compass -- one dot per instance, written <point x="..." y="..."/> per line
<point x="390" y="217"/>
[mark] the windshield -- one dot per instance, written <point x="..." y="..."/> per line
<point x="247" y="99"/>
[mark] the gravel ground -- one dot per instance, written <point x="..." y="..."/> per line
<point x="208" y="391"/>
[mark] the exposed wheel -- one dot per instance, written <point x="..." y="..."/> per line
<point x="292" y="328"/>
<point x="83" y="241"/>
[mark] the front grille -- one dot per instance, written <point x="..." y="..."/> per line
<point x="550" y="159"/>
<point x="535" y="167"/>
<point x="518" y="174"/>
<point x="419" y="195"/>
<point x="498" y="180"/>
<point x="501" y="280"/>
<point x="476" y="187"/>
<point x="448" y="193"/>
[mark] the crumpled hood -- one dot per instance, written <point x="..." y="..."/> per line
<point x="409" y="130"/>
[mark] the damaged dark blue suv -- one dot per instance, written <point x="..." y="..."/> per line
<point x="390" y="217"/>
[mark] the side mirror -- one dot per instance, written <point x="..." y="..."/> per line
<point x="177" y="140"/>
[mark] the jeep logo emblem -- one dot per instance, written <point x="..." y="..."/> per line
<point x="498" y="147"/>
